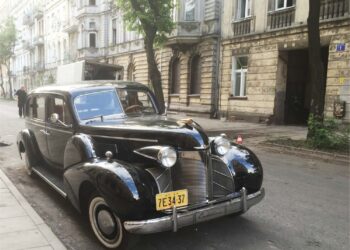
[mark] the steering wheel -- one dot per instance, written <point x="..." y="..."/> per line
<point x="133" y="107"/>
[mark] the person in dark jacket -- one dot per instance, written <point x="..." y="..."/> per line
<point x="22" y="97"/>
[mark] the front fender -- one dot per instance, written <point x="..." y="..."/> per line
<point x="26" y="143"/>
<point x="245" y="166"/>
<point x="127" y="189"/>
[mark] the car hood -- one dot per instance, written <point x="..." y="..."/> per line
<point x="153" y="130"/>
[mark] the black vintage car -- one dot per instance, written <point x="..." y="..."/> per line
<point x="106" y="147"/>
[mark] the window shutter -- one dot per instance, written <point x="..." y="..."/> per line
<point x="272" y="6"/>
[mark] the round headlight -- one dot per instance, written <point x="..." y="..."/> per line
<point x="222" y="145"/>
<point x="167" y="156"/>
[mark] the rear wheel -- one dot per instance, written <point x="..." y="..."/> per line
<point x="27" y="166"/>
<point x="106" y="225"/>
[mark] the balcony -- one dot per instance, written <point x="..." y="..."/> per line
<point x="38" y="40"/>
<point x="38" y="13"/>
<point x="281" y="18"/>
<point x="185" y="32"/>
<point x="333" y="9"/>
<point x="243" y="26"/>
<point x="40" y="66"/>
<point x="89" y="53"/>
<point x="70" y="26"/>
<point x="87" y="10"/>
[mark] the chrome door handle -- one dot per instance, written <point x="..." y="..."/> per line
<point x="44" y="132"/>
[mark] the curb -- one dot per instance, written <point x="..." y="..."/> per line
<point x="341" y="158"/>
<point x="51" y="238"/>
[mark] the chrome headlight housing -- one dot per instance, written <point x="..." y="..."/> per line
<point x="221" y="145"/>
<point x="167" y="156"/>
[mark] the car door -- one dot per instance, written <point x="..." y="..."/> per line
<point x="36" y="122"/>
<point x="60" y="131"/>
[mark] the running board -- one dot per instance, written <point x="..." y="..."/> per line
<point x="50" y="179"/>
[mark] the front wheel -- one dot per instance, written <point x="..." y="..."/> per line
<point x="106" y="225"/>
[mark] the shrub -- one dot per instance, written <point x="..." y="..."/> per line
<point x="327" y="134"/>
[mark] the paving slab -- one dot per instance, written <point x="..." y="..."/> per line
<point x="20" y="226"/>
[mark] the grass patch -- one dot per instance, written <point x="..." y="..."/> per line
<point x="306" y="144"/>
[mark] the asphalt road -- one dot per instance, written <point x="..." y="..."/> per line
<point x="306" y="206"/>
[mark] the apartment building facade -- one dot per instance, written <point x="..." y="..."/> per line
<point x="264" y="73"/>
<point x="241" y="59"/>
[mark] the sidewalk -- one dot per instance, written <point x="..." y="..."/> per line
<point x="252" y="133"/>
<point x="20" y="226"/>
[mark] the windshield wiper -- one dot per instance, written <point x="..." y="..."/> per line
<point x="90" y="119"/>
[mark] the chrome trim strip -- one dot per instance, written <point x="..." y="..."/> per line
<point x="144" y="155"/>
<point x="124" y="138"/>
<point x="61" y="192"/>
<point x="217" y="184"/>
<point x="36" y="124"/>
<point x="202" y="147"/>
<point x="59" y="130"/>
<point x="209" y="212"/>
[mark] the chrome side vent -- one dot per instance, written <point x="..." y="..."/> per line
<point x="162" y="178"/>
<point x="223" y="182"/>
<point x="190" y="172"/>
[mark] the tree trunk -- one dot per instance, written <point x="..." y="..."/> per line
<point x="9" y="77"/>
<point x="2" y="83"/>
<point x="153" y="71"/>
<point x="316" y="68"/>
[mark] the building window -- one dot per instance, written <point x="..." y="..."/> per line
<point x="175" y="76"/>
<point x="92" y="25"/>
<point x="282" y="4"/>
<point x="92" y="40"/>
<point x="195" y="71"/>
<point x="239" y="75"/>
<point x="189" y="10"/>
<point x="92" y="2"/>
<point x="114" y="31"/>
<point x="131" y="72"/>
<point x="244" y="9"/>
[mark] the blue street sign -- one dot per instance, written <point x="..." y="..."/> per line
<point x="340" y="47"/>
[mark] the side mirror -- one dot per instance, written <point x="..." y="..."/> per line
<point x="54" y="118"/>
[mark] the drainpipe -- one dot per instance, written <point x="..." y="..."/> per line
<point x="216" y="84"/>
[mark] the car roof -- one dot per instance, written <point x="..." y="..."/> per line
<point x="87" y="86"/>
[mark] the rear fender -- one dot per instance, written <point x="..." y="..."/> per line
<point x="26" y="143"/>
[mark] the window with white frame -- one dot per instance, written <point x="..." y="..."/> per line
<point x="243" y="9"/>
<point x="114" y="31"/>
<point x="190" y="6"/>
<point x="239" y="75"/>
<point x="282" y="4"/>
<point x="92" y="40"/>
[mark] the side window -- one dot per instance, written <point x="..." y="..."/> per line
<point x="39" y="108"/>
<point x="58" y="105"/>
<point x="29" y="108"/>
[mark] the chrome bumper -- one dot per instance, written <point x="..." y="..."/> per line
<point x="178" y="220"/>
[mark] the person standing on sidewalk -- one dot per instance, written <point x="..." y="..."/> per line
<point x="21" y="100"/>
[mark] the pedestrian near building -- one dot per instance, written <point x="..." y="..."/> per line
<point x="21" y="100"/>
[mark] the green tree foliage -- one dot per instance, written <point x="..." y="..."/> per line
<point x="7" y="44"/>
<point x="153" y="19"/>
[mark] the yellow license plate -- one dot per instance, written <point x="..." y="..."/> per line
<point x="178" y="198"/>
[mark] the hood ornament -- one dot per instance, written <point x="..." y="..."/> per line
<point x="185" y="121"/>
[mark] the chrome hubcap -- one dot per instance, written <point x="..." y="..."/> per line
<point x="106" y="222"/>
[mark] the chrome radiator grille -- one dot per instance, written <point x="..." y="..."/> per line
<point x="223" y="183"/>
<point x="190" y="172"/>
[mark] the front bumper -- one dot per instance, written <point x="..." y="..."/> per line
<point x="212" y="211"/>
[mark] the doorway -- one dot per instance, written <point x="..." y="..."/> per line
<point x="297" y="85"/>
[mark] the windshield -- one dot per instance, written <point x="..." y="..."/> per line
<point x="100" y="105"/>
<point x="136" y="102"/>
